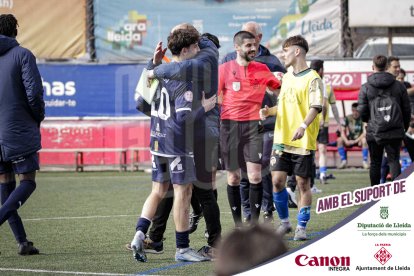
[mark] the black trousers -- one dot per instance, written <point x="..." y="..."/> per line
<point x="204" y="158"/>
<point x="409" y="144"/>
<point x="376" y="151"/>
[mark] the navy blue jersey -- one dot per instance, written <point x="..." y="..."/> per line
<point x="169" y="115"/>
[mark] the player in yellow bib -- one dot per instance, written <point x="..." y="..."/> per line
<point x="296" y="130"/>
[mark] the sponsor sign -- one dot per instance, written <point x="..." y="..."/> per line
<point x="90" y="90"/>
<point x="130" y="29"/>
<point x="393" y="13"/>
<point x="374" y="240"/>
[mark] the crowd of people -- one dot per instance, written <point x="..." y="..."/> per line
<point x="246" y="114"/>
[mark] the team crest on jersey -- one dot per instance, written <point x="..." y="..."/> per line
<point x="188" y="96"/>
<point x="272" y="161"/>
<point x="236" y="86"/>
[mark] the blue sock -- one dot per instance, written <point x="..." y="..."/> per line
<point x="182" y="239"/>
<point x="281" y="203"/>
<point x="16" y="199"/>
<point x="323" y="170"/>
<point x="14" y="220"/>
<point x="303" y="216"/>
<point x="143" y="224"/>
<point x="342" y="153"/>
<point x="365" y="154"/>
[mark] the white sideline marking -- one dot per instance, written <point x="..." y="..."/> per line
<point x="59" y="272"/>
<point x="85" y="217"/>
<point x="91" y="217"/>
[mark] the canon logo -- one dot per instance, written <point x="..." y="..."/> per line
<point x="303" y="260"/>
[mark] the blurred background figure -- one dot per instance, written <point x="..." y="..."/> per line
<point x="353" y="134"/>
<point x="234" y="256"/>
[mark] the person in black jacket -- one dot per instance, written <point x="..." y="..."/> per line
<point x="378" y="83"/>
<point x="22" y="110"/>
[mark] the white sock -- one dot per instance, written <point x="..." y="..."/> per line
<point x="286" y="222"/>
<point x="139" y="235"/>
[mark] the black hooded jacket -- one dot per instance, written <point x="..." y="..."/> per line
<point x="369" y="91"/>
<point x="21" y="101"/>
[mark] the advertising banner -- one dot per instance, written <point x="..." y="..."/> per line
<point x="51" y="29"/>
<point x="319" y="21"/>
<point x="392" y="13"/>
<point x="374" y="240"/>
<point x="129" y="30"/>
<point x="90" y="90"/>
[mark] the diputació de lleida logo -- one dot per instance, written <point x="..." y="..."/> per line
<point x="384" y="212"/>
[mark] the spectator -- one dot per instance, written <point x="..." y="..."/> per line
<point x="387" y="99"/>
<point x="409" y="137"/>
<point x="352" y="134"/>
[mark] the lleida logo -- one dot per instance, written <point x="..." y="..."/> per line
<point x="333" y="263"/>
<point x="384" y="212"/>
<point x="383" y="255"/>
<point x="129" y="32"/>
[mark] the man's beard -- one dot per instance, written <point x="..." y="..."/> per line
<point x="247" y="57"/>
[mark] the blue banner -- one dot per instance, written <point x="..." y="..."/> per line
<point x="90" y="90"/>
<point x="129" y="30"/>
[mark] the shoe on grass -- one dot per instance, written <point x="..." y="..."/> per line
<point x="27" y="248"/>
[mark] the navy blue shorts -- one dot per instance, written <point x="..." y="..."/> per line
<point x="177" y="170"/>
<point x="26" y="164"/>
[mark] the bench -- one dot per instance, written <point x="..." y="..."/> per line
<point x="79" y="155"/>
<point x="334" y="150"/>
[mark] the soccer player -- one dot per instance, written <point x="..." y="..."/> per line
<point x="202" y="71"/>
<point x="296" y="129"/>
<point x="22" y="110"/>
<point x="264" y="56"/>
<point x="172" y="154"/>
<point x="242" y="85"/>
<point x="323" y="136"/>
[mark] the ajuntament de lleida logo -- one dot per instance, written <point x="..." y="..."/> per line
<point x="384" y="212"/>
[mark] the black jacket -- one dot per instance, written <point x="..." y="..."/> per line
<point x="21" y="101"/>
<point x="370" y="90"/>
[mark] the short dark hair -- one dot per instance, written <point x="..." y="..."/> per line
<point x="380" y="62"/>
<point x="182" y="38"/>
<point x="402" y="71"/>
<point x="242" y="35"/>
<point x="297" y="40"/>
<point x="316" y="64"/>
<point x="212" y="38"/>
<point x="8" y="25"/>
<point x="391" y="59"/>
<point x="354" y="105"/>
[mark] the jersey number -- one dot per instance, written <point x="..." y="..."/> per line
<point x="164" y="109"/>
